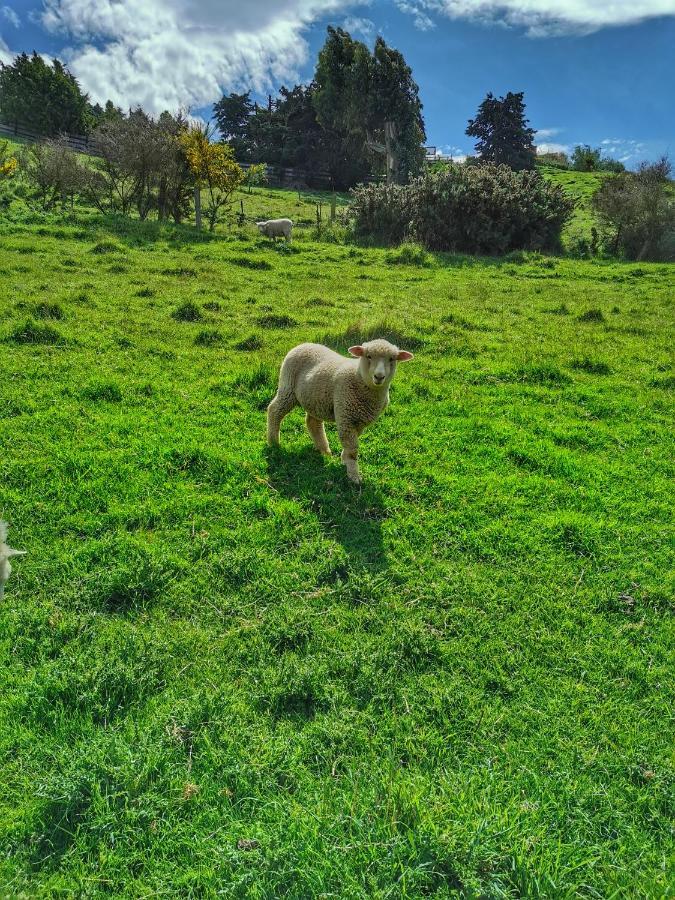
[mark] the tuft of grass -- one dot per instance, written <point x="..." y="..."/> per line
<point x="592" y="366"/>
<point x="275" y="321"/>
<point x="48" y="311"/>
<point x="107" y="391"/>
<point x="409" y="254"/>
<point x="212" y="306"/>
<point x="358" y="334"/>
<point x="592" y="315"/>
<point x="32" y="332"/>
<point x="254" y="262"/>
<point x="146" y="292"/>
<point x="666" y="383"/>
<point x="208" y="337"/>
<point x="105" y="247"/>
<point x="249" y="344"/>
<point x="187" y="312"/>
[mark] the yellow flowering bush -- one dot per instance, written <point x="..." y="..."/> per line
<point x="213" y="169"/>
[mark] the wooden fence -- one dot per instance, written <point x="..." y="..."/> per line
<point x="81" y="143"/>
<point x="277" y="176"/>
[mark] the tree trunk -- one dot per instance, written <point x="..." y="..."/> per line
<point x="198" y="208"/>
<point x="390" y="134"/>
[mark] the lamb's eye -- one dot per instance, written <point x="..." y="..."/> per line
<point x="369" y="357"/>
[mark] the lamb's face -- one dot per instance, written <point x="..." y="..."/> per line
<point x="262" y="227"/>
<point x="378" y="361"/>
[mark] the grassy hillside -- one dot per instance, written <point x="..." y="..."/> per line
<point x="226" y="672"/>
<point x="581" y="186"/>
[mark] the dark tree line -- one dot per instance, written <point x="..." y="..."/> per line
<point x="360" y="114"/>
<point x="47" y="98"/>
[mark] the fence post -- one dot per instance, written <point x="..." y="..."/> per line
<point x="198" y="208"/>
<point x="332" y="208"/>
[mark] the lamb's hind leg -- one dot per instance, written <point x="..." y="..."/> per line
<point x="318" y="433"/>
<point x="278" y="409"/>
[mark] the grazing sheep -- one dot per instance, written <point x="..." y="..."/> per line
<point x="329" y="387"/>
<point x="5" y="554"/>
<point x="274" y="228"/>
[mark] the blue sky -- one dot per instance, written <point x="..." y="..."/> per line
<point x="591" y="72"/>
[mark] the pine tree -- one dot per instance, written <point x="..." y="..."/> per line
<point x="503" y="132"/>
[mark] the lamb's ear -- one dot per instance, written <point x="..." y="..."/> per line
<point x="357" y="351"/>
<point x="404" y="356"/>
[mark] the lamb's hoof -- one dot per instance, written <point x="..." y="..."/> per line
<point x="355" y="479"/>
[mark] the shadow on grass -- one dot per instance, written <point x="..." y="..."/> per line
<point x="349" y="514"/>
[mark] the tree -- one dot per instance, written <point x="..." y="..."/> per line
<point x="46" y="98"/>
<point x="54" y="170"/>
<point x="503" y="133"/>
<point x="213" y="168"/>
<point x="637" y="211"/>
<point x="255" y="175"/>
<point x="395" y="113"/>
<point x="141" y="163"/>
<point x="590" y="159"/>
<point x="232" y="115"/>
<point x="107" y="113"/>
<point x="8" y="162"/>
<point x="369" y="104"/>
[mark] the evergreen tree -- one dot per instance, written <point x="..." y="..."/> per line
<point x="232" y="115"/>
<point x="503" y="132"/>
<point x="46" y="98"/>
<point x="370" y="102"/>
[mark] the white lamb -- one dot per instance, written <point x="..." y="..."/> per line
<point x="274" y="228"/>
<point x="329" y="387"/>
<point x="5" y="555"/>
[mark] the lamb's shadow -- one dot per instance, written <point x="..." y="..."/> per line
<point x="349" y="514"/>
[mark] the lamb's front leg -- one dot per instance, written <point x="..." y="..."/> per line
<point x="349" y="438"/>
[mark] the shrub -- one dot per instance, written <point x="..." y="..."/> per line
<point x="54" y="171"/>
<point x="637" y="211"/>
<point x="589" y="159"/>
<point x="476" y="209"/>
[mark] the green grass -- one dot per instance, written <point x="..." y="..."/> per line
<point x="226" y="672"/>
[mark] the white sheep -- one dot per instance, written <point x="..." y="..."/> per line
<point x="6" y="553"/>
<point x="274" y="228"/>
<point x="329" y="387"/>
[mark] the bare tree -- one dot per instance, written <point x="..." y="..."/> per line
<point x="637" y="210"/>
<point x="54" y="170"/>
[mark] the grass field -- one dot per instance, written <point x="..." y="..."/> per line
<point x="225" y="672"/>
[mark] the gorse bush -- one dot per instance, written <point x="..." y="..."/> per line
<point x="475" y="209"/>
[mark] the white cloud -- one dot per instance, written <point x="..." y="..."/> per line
<point x="6" y="55"/>
<point x="356" y="25"/>
<point x="167" y="54"/>
<point x="416" y="9"/>
<point x="11" y="16"/>
<point x="543" y="18"/>
<point x="544" y="133"/>
<point x="552" y="147"/>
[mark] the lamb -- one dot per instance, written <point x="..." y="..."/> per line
<point x="5" y="554"/>
<point x="274" y="228"/>
<point x="331" y="387"/>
